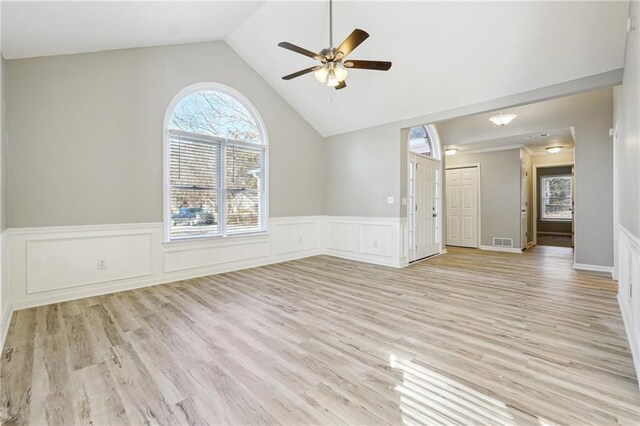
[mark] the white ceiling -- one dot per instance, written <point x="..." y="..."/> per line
<point x="537" y="142"/>
<point x="42" y="28"/>
<point x="445" y="54"/>
<point x="477" y="133"/>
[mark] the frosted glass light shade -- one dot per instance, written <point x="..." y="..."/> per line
<point x="502" y="119"/>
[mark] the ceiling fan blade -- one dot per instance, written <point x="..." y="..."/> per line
<point x="350" y="43"/>
<point x="341" y="85"/>
<point x="301" y="72"/>
<point x="298" y="49"/>
<point x="368" y="65"/>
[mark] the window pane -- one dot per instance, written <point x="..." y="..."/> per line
<point x="420" y="141"/>
<point x="193" y="163"/>
<point x="243" y="210"/>
<point x="216" y="114"/>
<point x="193" y="212"/>
<point x="243" y="168"/>
<point x="556" y="202"/>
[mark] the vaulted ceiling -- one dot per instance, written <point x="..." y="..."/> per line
<point x="43" y="28"/>
<point x="445" y="54"/>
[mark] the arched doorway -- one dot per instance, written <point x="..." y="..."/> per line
<point x="424" y="206"/>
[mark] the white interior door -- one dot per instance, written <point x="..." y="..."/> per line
<point x="462" y="207"/>
<point x="524" y="204"/>
<point x="425" y="210"/>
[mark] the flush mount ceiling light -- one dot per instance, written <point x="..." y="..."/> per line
<point x="554" y="149"/>
<point x="451" y="151"/>
<point x="502" y="119"/>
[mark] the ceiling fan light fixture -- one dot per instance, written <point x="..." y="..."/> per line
<point x="502" y="119"/>
<point x="332" y="80"/>
<point x="321" y="74"/>
<point x="554" y="149"/>
<point x="341" y="72"/>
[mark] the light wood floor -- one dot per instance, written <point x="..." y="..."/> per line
<point x="468" y="337"/>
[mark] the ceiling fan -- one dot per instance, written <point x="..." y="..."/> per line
<point x="334" y="67"/>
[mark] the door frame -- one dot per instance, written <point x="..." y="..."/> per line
<point x="534" y="197"/>
<point x="410" y="196"/>
<point x="444" y="184"/>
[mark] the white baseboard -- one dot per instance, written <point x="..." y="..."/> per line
<point x="530" y="244"/>
<point x="502" y="249"/>
<point x="593" y="268"/>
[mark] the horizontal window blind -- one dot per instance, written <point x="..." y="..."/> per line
<point x="217" y="186"/>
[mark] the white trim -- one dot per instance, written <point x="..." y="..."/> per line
<point x="4" y="325"/>
<point x="534" y="198"/>
<point x="593" y="268"/>
<point x="262" y="129"/>
<point x="438" y="152"/>
<point x="616" y="187"/>
<point x="503" y="249"/>
<point x="635" y="356"/>
<point x="563" y="234"/>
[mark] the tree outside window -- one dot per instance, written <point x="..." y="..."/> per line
<point x="556" y="198"/>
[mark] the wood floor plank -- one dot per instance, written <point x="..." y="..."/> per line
<point x="470" y="337"/>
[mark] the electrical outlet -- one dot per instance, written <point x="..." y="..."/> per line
<point x="390" y="200"/>
<point x="300" y="240"/>
<point x="101" y="264"/>
<point x="375" y="244"/>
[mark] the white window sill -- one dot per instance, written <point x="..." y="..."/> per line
<point x="214" y="238"/>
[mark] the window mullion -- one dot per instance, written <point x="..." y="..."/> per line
<point x="222" y="192"/>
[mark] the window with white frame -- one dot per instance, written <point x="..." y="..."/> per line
<point x="556" y="198"/>
<point x="216" y="165"/>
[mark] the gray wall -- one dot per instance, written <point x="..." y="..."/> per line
<point x="86" y="134"/>
<point x="550" y="226"/>
<point x="499" y="192"/>
<point x="363" y="168"/>
<point x="628" y="132"/>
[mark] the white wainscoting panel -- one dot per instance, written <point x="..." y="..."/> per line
<point x="367" y="239"/>
<point x="629" y="289"/>
<point x="297" y="237"/>
<point x="214" y="253"/>
<point x="341" y="236"/>
<point x="55" y="264"/>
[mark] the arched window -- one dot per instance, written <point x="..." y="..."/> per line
<point x="215" y="164"/>
<point x="423" y="140"/>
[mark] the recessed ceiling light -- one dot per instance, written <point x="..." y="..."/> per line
<point x="527" y="138"/>
<point x="502" y="119"/>
<point x="544" y="135"/>
<point x="451" y="151"/>
<point x="554" y="149"/>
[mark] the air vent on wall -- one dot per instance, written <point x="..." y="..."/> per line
<point x="502" y="242"/>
